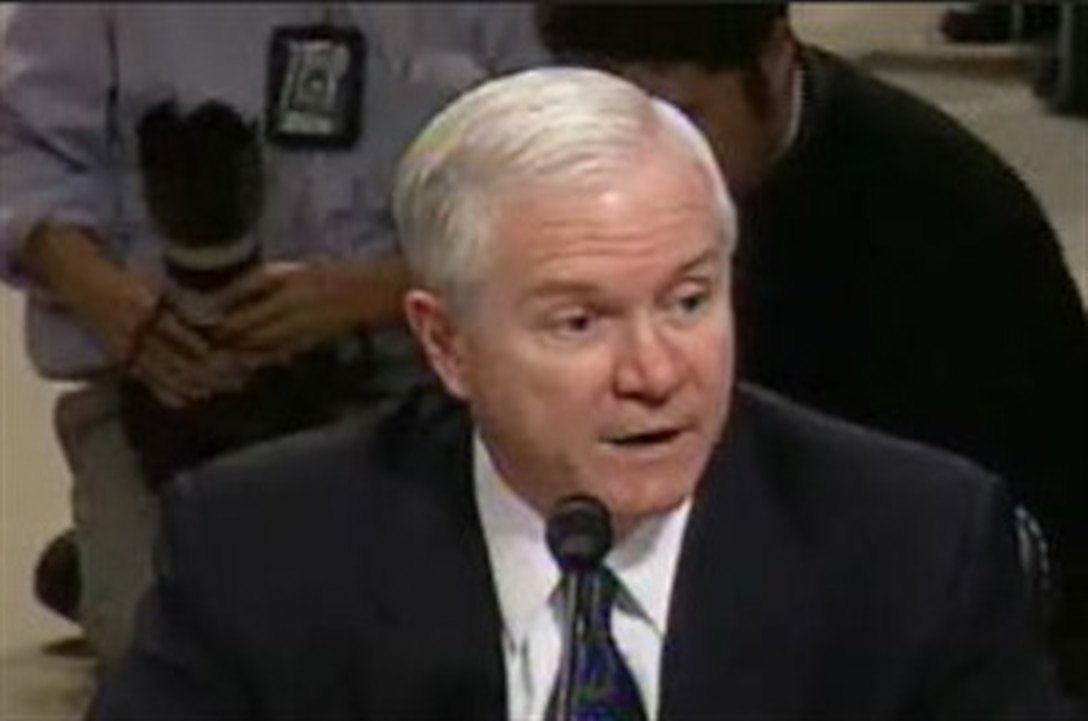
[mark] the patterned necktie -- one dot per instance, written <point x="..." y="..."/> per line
<point x="603" y="689"/>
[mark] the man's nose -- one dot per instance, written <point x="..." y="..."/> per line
<point x="650" y="365"/>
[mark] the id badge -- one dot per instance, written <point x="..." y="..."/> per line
<point x="315" y="86"/>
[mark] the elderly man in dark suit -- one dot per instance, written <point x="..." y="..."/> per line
<point x="570" y="239"/>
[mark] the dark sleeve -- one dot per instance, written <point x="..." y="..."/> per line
<point x="177" y="668"/>
<point x="1022" y="311"/>
<point x="1014" y="336"/>
<point x="994" y="358"/>
<point x="988" y="662"/>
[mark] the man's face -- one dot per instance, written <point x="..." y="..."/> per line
<point x="597" y="356"/>
<point x="742" y="128"/>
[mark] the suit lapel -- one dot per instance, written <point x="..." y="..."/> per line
<point x="438" y="620"/>
<point x="740" y="629"/>
<point x="743" y="620"/>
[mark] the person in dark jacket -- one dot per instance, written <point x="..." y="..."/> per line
<point x="892" y="268"/>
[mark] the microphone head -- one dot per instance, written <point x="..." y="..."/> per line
<point x="579" y="533"/>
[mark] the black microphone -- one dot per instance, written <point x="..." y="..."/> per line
<point x="579" y="536"/>
<point x="203" y="185"/>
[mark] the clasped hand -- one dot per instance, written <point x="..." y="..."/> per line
<point x="270" y="315"/>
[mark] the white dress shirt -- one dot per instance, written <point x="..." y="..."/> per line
<point x="527" y="578"/>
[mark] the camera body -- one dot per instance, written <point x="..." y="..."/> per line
<point x="203" y="184"/>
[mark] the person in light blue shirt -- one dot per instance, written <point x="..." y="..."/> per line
<point x="77" y="235"/>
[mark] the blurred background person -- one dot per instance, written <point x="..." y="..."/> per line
<point x="892" y="268"/>
<point x="195" y="201"/>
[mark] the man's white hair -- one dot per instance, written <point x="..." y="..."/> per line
<point x="557" y="127"/>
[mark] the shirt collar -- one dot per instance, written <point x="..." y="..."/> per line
<point x="796" y="109"/>
<point x="526" y="574"/>
<point x="645" y="563"/>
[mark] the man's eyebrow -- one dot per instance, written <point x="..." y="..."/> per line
<point x="707" y="257"/>
<point x="561" y="288"/>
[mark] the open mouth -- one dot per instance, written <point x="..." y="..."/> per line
<point x="647" y="438"/>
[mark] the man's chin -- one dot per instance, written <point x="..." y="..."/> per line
<point x="640" y="501"/>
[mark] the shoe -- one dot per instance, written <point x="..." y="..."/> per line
<point x="984" y="22"/>
<point x="993" y="22"/>
<point x="56" y="577"/>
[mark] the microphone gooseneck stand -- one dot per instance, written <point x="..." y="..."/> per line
<point x="579" y="535"/>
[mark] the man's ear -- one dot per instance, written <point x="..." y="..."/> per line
<point x="435" y="328"/>
<point x="778" y="58"/>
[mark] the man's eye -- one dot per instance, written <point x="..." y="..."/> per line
<point x="691" y="302"/>
<point x="575" y="323"/>
<point x="572" y="325"/>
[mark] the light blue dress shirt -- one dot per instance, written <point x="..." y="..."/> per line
<point x="76" y="78"/>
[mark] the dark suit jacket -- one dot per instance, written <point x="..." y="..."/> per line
<point x="826" y="573"/>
